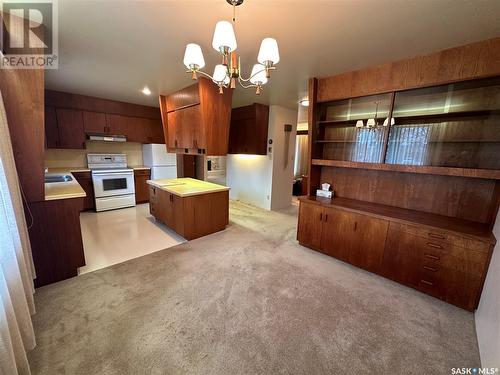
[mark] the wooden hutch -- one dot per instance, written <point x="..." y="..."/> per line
<point x="416" y="197"/>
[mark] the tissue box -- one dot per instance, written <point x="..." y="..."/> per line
<point x="324" y="193"/>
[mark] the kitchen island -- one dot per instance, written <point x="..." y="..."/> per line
<point x="192" y="208"/>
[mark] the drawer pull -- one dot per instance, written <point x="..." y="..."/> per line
<point x="434" y="245"/>
<point x="426" y="282"/>
<point x="430" y="268"/>
<point x="438" y="236"/>
<point x="432" y="256"/>
<point x="320" y="216"/>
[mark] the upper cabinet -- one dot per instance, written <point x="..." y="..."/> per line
<point x="196" y="119"/>
<point x="447" y="126"/>
<point x="70" y="118"/>
<point x="455" y="125"/>
<point x="248" y="131"/>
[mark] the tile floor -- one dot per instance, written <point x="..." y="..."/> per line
<point x="113" y="237"/>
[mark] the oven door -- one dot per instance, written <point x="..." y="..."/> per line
<point x="113" y="183"/>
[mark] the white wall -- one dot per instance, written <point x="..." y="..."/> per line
<point x="262" y="180"/>
<point x="283" y="155"/>
<point x="488" y="314"/>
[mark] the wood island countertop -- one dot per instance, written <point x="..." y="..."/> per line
<point x="186" y="187"/>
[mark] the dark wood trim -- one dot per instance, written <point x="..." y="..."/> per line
<point x="313" y="174"/>
<point x="471" y="61"/>
<point x="442" y="171"/>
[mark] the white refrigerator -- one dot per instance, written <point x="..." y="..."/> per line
<point x="162" y="163"/>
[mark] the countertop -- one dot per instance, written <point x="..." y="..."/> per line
<point x="186" y="187"/>
<point x="63" y="190"/>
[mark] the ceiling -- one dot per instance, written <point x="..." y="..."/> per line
<point x="112" y="49"/>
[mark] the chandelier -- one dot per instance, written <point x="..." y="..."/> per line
<point x="227" y="73"/>
<point x="373" y="123"/>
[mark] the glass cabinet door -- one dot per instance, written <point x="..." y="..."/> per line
<point x="455" y="125"/>
<point x="341" y="139"/>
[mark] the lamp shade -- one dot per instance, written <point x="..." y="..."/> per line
<point x="370" y="122"/>
<point x="220" y="74"/>
<point x="269" y="51"/>
<point x="258" y="76"/>
<point x="193" y="56"/>
<point x="224" y="36"/>
<point x="359" y="124"/>
<point x="386" y="121"/>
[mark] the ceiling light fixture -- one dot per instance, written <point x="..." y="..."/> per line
<point x="146" y="91"/>
<point x="304" y="102"/>
<point x="228" y="72"/>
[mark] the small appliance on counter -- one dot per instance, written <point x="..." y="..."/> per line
<point x="113" y="181"/>
<point x="162" y="163"/>
<point x="324" y="191"/>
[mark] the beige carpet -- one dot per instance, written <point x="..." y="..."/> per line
<point x="248" y="300"/>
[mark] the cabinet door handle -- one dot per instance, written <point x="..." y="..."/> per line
<point x="426" y="282"/>
<point x="355" y="225"/>
<point x="430" y="268"/>
<point x="321" y="217"/>
<point x="438" y="236"/>
<point x="175" y="143"/>
<point x="430" y="256"/>
<point x="430" y="244"/>
<point x="326" y="218"/>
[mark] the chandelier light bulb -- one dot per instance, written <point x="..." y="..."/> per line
<point x="258" y="76"/>
<point x="220" y="74"/>
<point x="224" y="38"/>
<point x="269" y="52"/>
<point x="193" y="57"/>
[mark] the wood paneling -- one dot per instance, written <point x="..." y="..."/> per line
<point x="93" y="104"/>
<point x="476" y="60"/>
<point x="70" y="128"/>
<point x="56" y="240"/>
<point x="22" y="92"/>
<point x="248" y="130"/>
<point x="464" y="198"/>
<point x="141" y="187"/>
<point x="85" y="181"/>
<point x="183" y="98"/>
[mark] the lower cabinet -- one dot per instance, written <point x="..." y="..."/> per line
<point x="435" y="266"/>
<point x="141" y="187"/>
<point x="351" y="237"/>
<point x="193" y="216"/>
<point x="56" y="239"/>
<point x="440" y="263"/>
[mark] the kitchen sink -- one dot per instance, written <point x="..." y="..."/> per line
<point x="58" y="178"/>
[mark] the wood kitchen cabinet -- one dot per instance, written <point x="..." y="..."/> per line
<point x="191" y="216"/>
<point x="56" y="240"/>
<point x="196" y="119"/>
<point x="354" y="238"/>
<point x="248" y="130"/>
<point x="141" y="187"/>
<point x="449" y="264"/>
<point x="70" y="128"/>
<point x="69" y="118"/>
<point x="85" y="181"/>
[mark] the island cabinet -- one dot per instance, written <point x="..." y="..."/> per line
<point x="196" y="119"/>
<point x="441" y="256"/>
<point x="190" y="207"/>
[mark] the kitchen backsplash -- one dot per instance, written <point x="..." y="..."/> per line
<point x="59" y="158"/>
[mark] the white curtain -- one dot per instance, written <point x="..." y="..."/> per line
<point x="16" y="265"/>
<point x="300" y="167"/>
